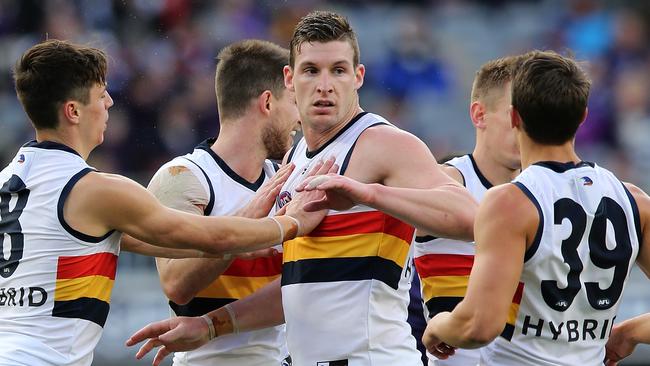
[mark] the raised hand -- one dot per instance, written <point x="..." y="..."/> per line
<point x="171" y="335"/>
<point x="310" y="219"/>
<point x="264" y="198"/>
<point x="341" y="193"/>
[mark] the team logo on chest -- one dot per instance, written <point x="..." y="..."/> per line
<point x="283" y="198"/>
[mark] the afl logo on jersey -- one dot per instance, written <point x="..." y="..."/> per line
<point x="586" y="181"/>
<point x="283" y="198"/>
<point x="21" y="158"/>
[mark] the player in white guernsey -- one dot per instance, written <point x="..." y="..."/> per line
<point x="443" y="264"/>
<point x="344" y="287"/>
<point x="258" y="118"/>
<point x="561" y="238"/>
<point x="60" y="220"/>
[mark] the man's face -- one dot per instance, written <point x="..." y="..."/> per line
<point x="285" y="121"/>
<point x="94" y="115"/>
<point x="325" y="82"/>
<point x="499" y="132"/>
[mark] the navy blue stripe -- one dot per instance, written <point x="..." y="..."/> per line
<point x="559" y="167"/>
<point x="508" y="331"/>
<point x="311" y="154"/>
<point x="208" y="208"/>
<point x="538" y="235"/>
<point x="442" y="303"/>
<point x="59" y="210"/>
<point x="346" y="161"/>
<point x="341" y="269"/>
<point x="51" y="145"/>
<point x="87" y="308"/>
<point x="462" y="176"/>
<point x="637" y="216"/>
<point x="276" y="166"/>
<point x="486" y="183"/>
<point x="293" y="150"/>
<point x="425" y="238"/>
<point x="253" y="186"/>
<point x="199" y="306"/>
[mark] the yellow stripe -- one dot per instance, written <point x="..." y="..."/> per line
<point x="359" y="245"/>
<point x="512" y="313"/>
<point x="98" y="287"/>
<point x="449" y="286"/>
<point x="234" y="287"/>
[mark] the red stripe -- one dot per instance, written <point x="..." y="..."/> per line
<point x="100" y="264"/>
<point x="444" y="265"/>
<point x="520" y="291"/>
<point x="363" y="223"/>
<point x="258" y="267"/>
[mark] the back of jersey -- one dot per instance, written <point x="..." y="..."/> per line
<point x="576" y="268"/>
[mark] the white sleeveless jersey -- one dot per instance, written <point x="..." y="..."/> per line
<point x="576" y="269"/>
<point x="55" y="282"/>
<point x="345" y="286"/>
<point x="228" y="193"/>
<point x="444" y="264"/>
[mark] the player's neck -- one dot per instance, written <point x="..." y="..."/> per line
<point x="69" y="140"/>
<point x="495" y="172"/>
<point x="532" y="152"/>
<point x="242" y="150"/>
<point x="317" y="136"/>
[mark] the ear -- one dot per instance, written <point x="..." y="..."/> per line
<point x="288" y="77"/>
<point x="359" y="73"/>
<point x="71" y="111"/>
<point x="264" y="101"/>
<point x="515" y="118"/>
<point x="477" y="114"/>
<point x="584" y="116"/>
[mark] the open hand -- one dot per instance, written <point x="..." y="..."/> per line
<point x="174" y="335"/>
<point x="264" y="198"/>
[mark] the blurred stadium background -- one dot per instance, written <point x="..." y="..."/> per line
<point x="420" y="58"/>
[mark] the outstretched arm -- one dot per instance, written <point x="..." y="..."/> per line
<point x="128" y="207"/>
<point x="262" y="309"/>
<point x="405" y="182"/>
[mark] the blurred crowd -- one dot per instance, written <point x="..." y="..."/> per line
<point x="420" y="58"/>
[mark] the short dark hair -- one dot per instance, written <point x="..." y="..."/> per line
<point x="493" y="75"/>
<point x="550" y="92"/>
<point x="245" y="70"/>
<point x="53" y="72"/>
<point x="323" y="26"/>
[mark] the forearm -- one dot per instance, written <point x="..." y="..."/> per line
<point x="460" y="329"/>
<point x="447" y="211"/>
<point x="262" y="309"/>
<point x="182" y="279"/>
<point x="637" y="329"/>
<point x="133" y="245"/>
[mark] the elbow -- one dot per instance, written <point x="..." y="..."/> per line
<point x="479" y="335"/>
<point x="177" y="293"/>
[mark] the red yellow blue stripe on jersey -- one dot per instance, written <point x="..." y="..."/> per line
<point x="242" y="278"/>
<point x="512" y="312"/>
<point x="444" y="279"/>
<point x="83" y="287"/>
<point x="355" y="246"/>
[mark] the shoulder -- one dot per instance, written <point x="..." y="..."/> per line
<point x="508" y="203"/>
<point x="453" y="172"/>
<point x="642" y="201"/>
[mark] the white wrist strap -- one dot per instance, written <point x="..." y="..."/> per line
<point x="211" y="329"/>
<point x="279" y="227"/>
<point x="233" y="319"/>
<point x="299" y="228"/>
